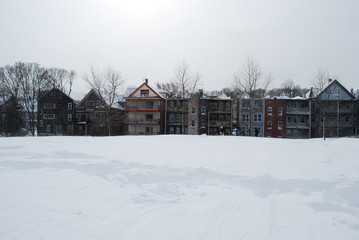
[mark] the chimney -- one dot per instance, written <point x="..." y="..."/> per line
<point x="146" y="80"/>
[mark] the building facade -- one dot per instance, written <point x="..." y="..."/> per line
<point x="95" y="118"/>
<point x="334" y="112"/>
<point x="145" y="111"/>
<point x="275" y="118"/>
<point x="56" y="113"/>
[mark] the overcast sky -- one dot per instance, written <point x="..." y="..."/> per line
<point x="149" y="38"/>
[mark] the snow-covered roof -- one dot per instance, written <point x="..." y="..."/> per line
<point x="298" y="98"/>
<point x="223" y="96"/>
<point x="313" y="92"/>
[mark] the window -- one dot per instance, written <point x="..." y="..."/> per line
<point x="144" y="93"/>
<point x="59" y="95"/>
<point x="149" y="130"/>
<point x="58" y="128"/>
<point x="203" y="111"/>
<point x="49" y="105"/>
<point x="193" y="123"/>
<point x="89" y="104"/>
<point x="172" y="130"/>
<point x="193" y="110"/>
<point x="289" y="119"/>
<point x="49" y="116"/>
<point x="98" y="104"/>
<point x="334" y="91"/>
<point x="149" y="117"/>
<point x="302" y="119"/>
<point x="269" y="111"/>
<point x="269" y="125"/>
<point x="69" y="117"/>
<point x="149" y="104"/>
<point x="280" y="111"/>
<point x="257" y="117"/>
<point x="172" y="117"/>
<point x="48" y="128"/>
<point x="69" y="128"/>
<point x="245" y="117"/>
<point x="280" y="125"/>
<point x="69" y="106"/>
<point x="295" y="105"/>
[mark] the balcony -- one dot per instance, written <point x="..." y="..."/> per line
<point x="298" y="125"/>
<point x="177" y="109"/>
<point x="143" y="108"/>
<point x="299" y="111"/>
<point x="219" y="123"/>
<point x="143" y="121"/>
<point x="219" y="110"/>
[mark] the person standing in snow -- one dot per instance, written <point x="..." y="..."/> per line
<point x="256" y="131"/>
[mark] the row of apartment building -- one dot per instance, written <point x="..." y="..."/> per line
<point x="148" y="111"/>
<point x="332" y="112"/>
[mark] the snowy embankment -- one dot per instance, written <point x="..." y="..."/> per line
<point x="178" y="187"/>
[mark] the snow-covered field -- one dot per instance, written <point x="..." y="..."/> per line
<point x="178" y="187"/>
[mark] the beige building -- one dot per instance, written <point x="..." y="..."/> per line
<point x="144" y="111"/>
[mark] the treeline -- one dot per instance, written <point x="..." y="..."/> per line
<point x="20" y="86"/>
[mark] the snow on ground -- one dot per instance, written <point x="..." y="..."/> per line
<point x="178" y="187"/>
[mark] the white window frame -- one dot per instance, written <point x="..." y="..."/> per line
<point x="245" y="117"/>
<point x="69" y="117"/>
<point x="280" y="125"/>
<point x="203" y="110"/>
<point x="280" y="111"/>
<point x="257" y="117"/>
<point x="269" y="125"/>
<point x="49" y="116"/>
<point x="270" y="111"/>
<point x="69" y="106"/>
<point x="49" y="105"/>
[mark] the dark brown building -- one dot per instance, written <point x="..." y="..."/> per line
<point x="95" y="118"/>
<point x="56" y="113"/>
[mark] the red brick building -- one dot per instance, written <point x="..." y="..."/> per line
<point x="275" y="117"/>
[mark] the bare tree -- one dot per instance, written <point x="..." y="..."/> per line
<point x="184" y="84"/>
<point x="250" y="81"/>
<point x="61" y="79"/>
<point x="324" y="104"/>
<point x="170" y="88"/>
<point x="26" y="80"/>
<point x="252" y="85"/>
<point x="290" y="89"/>
<point x="322" y="79"/>
<point x="185" y="81"/>
<point x="108" y="85"/>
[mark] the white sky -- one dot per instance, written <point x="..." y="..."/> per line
<point x="143" y="38"/>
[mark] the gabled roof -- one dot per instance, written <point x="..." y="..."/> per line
<point x="335" y="82"/>
<point x="312" y="93"/>
<point x="46" y="92"/>
<point x="140" y="87"/>
<point x="92" y="91"/>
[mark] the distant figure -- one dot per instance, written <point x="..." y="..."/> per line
<point x="221" y="131"/>
<point x="256" y="131"/>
